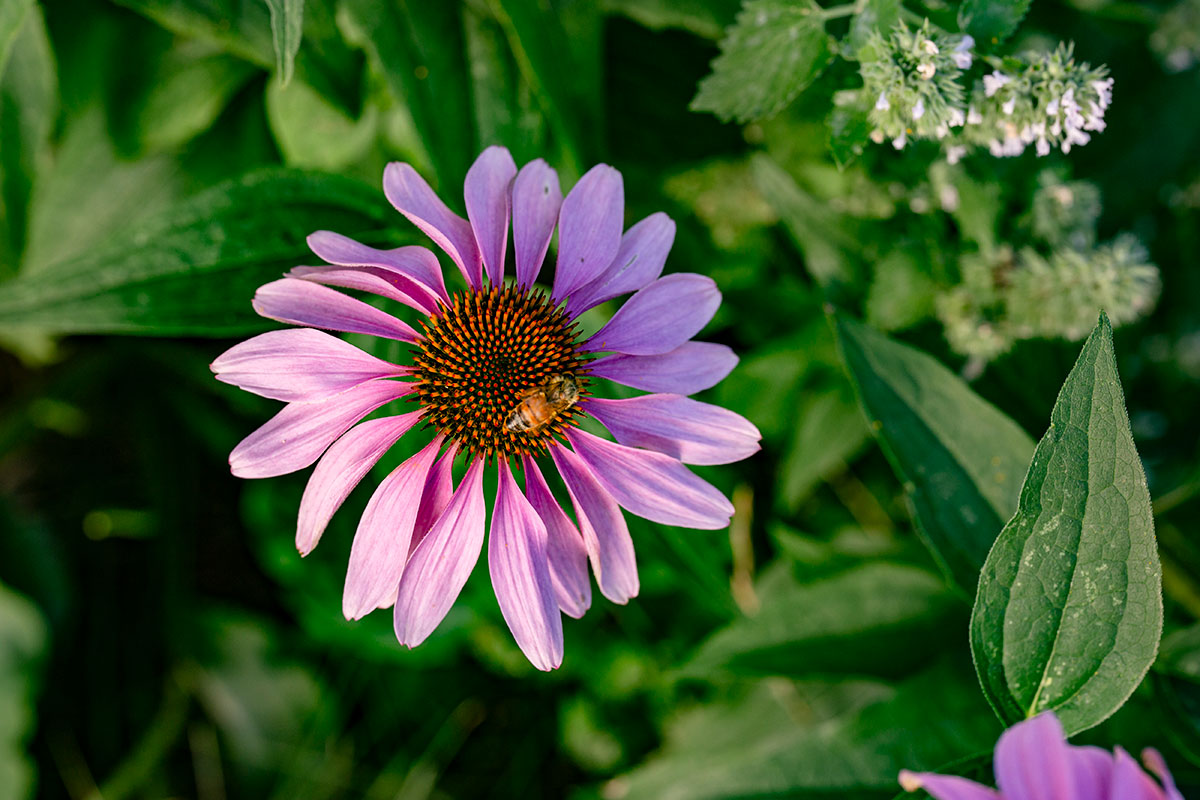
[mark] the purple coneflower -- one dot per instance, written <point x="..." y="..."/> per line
<point x="1034" y="762"/>
<point x="501" y="375"/>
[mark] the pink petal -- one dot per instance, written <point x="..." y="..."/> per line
<point x="660" y="317"/>
<point x="652" y="485"/>
<point x="689" y="368"/>
<point x="486" y="193"/>
<point x="414" y="262"/>
<point x="439" y="488"/>
<point x="412" y="197"/>
<point x="564" y="547"/>
<point x="1156" y="764"/>
<point x="640" y="259"/>
<point x="298" y="364"/>
<point x="589" y="229"/>
<point x="520" y="576"/>
<point x="297" y="435"/>
<point x="1091" y="770"/>
<point x="440" y="565"/>
<point x="1129" y="782"/>
<point x="1032" y="761"/>
<point x="304" y="303"/>
<point x="685" y="429"/>
<point x="605" y="534"/>
<point x="536" y="199"/>
<point x="380" y="547"/>
<point x="341" y="468"/>
<point x="375" y="280"/>
<point x="946" y="787"/>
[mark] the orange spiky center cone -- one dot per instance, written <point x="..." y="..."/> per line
<point x="489" y="356"/>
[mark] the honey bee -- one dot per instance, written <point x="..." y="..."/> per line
<point x="541" y="404"/>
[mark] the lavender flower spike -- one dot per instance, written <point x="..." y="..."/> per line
<point x="1033" y="761"/>
<point x="496" y="373"/>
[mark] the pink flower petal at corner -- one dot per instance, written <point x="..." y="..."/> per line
<point x="412" y="261"/>
<point x="412" y="197"/>
<point x="651" y="485"/>
<point x="565" y="550"/>
<point x="380" y="548"/>
<point x="536" y="200"/>
<point x="640" y="259"/>
<point x="589" y="229"/>
<point x="660" y="317"/>
<point x="341" y="468"/>
<point x="439" y="488"/>
<point x="440" y="565"/>
<point x="946" y="787"/>
<point x="1091" y="770"/>
<point x="305" y="303"/>
<point x="298" y="364"/>
<point x="1032" y="761"/>
<point x="602" y="526"/>
<point x="486" y="193"/>
<point x="520" y="575"/>
<point x="1129" y="782"/>
<point x="1156" y="764"/>
<point x="375" y="280"/>
<point x="692" y="367"/>
<point x="685" y="429"/>
<point x="296" y="436"/>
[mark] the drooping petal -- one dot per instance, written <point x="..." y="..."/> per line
<point x="589" y="229"/>
<point x="685" y="429"/>
<point x="415" y="262"/>
<point x="440" y="565"/>
<point x="439" y="488"/>
<point x="520" y="575"/>
<point x="412" y="197"/>
<point x="298" y="364"/>
<point x="1158" y="765"/>
<point x="296" y="436"/>
<point x="486" y="193"/>
<point x="946" y="787"/>
<point x="305" y="303"/>
<point x="692" y="367"/>
<point x="536" y="200"/>
<point x="1128" y="781"/>
<point x="1032" y="761"/>
<point x="1091" y="770"/>
<point x="564" y="545"/>
<point x="605" y="534"/>
<point x="640" y="259"/>
<point x="660" y="317"/>
<point x="652" y="485"/>
<point x="380" y="548"/>
<point x="375" y="280"/>
<point x="341" y="468"/>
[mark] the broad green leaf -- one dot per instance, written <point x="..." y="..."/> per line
<point x="1069" y="610"/>
<point x="22" y="643"/>
<point x="849" y="129"/>
<point x="287" y="28"/>
<point x="312" y="133"/>
<point x="706" y="18"/>
<point x="28" y="105"/>
<point x="828" y="430"/>
<point x="960" y="458"/>
<point x="902" y="291"/>
<point x="992" y="21"/>
<point x="12" y="17"/>
<point x="876" y="16"/>
<point x="192" y="269"/>
<point x="838" y="625"/>
<point x="816" y="739"/>
<point x="773" y="52"/>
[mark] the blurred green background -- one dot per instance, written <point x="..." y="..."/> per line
<point x="159" y="635"/>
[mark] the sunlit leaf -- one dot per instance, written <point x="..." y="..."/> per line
<point x="1069" y="610"/>
<point x="287" y="20"/>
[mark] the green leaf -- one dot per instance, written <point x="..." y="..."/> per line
<point x="877" y="16"/>
<point x="28" y="105"/>
<point x="192" y="269"/>
<point x="827" y="431"/>
<point x="773" y="52"/>
<point x="959" y="457"/>
<point x="22" y="644"/>
<point x="287" y="28"/>
<point x="992" y="21"/>
<point x="313" y="133"/>
<point x="708" y="19"/>
<point x="1069" y="610"/>
<point x="838" y="625"/>
<point x="12" y="17"/>
<point x="849" y="130"/>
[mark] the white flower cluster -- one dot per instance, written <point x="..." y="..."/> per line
<point x="912" y="80"/>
